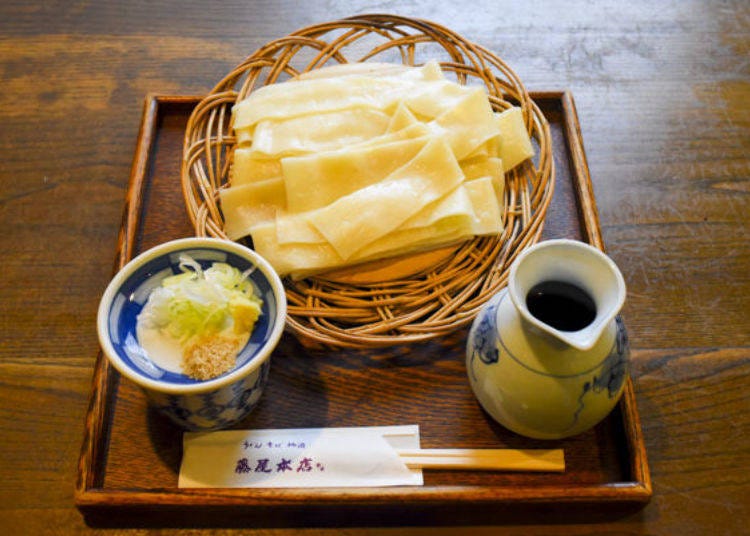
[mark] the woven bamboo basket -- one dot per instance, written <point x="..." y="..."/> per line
<point x="437" y="299"/>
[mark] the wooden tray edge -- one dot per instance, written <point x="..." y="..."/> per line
<point x="640" y="472"/>
<point x="90" y="498"/>
<point x="92" y="454"/>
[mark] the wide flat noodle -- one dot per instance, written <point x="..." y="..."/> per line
<point x="248" y="166"/>
<point x="515" y="146"/>
<point x="328" y="94"/>
<point x="448" y="218"/>
<point x="282" y="101"/>
<point x="411" y="132"/>
<point x="401" y="119"/>
<point x="417" y="239"/>
<point x="469" y="210"/>
<point x="296" y="228"/>
<point x="455" y="203"/>
<point x="352" y="163"/>
<point x="453" y="220"/>
<point x="290" y="258"/>
<point x="467" y="125"/>
<point x="246" y="205"/>
<point x="486" y="205"/>
<point x="431" y="72"/>
<point x="431" y="100"/>
<point x="356" y="220"/>
<point x="244" y="136"/>
<point x="318" y="132"/>
<point x="486" y="167"/>
<point x="317" y="180"/>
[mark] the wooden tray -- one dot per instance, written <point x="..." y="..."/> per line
<point x="131" y="455"/>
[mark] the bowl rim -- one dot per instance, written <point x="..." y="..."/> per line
<point x="169" y="247"/>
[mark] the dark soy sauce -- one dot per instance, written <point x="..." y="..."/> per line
<point x="562" y="305"/>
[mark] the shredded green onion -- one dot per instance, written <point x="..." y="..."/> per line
<point x="198" y="303"/>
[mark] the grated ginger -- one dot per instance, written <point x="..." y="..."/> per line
<point x="211" y="357"/>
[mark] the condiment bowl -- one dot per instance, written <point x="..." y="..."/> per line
<point x="192" y="404"/>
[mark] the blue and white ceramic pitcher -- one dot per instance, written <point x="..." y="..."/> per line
<point x="551" y="374"/>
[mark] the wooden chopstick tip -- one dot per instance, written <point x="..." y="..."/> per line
<point x="535" y="460"/>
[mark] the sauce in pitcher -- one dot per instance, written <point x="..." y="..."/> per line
<point x="562" y="305"/>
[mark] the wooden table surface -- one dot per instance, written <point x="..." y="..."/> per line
<point x="663" y="96"/>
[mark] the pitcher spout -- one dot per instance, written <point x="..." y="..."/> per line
<point x="568" y="289"/>
<point x="584" y="339"/>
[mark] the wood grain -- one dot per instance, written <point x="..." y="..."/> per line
<point x="662" y="91"/>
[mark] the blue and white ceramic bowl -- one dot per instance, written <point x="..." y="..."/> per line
<point x="192" y="404"/>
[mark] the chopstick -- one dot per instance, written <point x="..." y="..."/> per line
<point x="552" y="460"/>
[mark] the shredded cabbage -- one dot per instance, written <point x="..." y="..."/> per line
<point x="199" y="303"/>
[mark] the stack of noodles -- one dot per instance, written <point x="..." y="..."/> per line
<point x="359" y="162"/>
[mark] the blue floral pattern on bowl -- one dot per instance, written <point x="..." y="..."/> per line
<point x="214" y="410"/>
